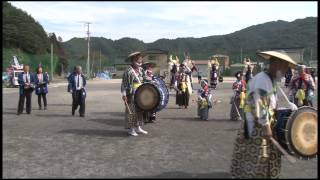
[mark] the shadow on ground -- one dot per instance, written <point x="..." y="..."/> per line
<point x="56" y="115"/>
<point x="14" y="113"/>
<point x="122" y="114"/>
<point x="198" y="119"/>
<point x="59" y="105"/>
<point x="95" y="132"/>
<point x="111" y="122"/>
<point x="178" y="174"/>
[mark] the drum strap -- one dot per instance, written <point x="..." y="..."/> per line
<point x="136" y="76"/>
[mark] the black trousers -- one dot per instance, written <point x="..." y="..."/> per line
<point x="26" y="94"/>
<point x="44" y="97"/>
<point x="182" y="99"/>
<point x="78" y="100"/>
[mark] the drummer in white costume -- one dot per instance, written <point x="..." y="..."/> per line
<point x="254" y="155"/>
<point x="132" y="78"/>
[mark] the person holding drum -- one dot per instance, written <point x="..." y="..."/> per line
<point x="183" y="87"/>
<point x="302" y="88"/>
<point x="132" y="78"/>
<point x="147" y="67"/>
<point x="237" y="100"/>
<point x="254" y="154"/>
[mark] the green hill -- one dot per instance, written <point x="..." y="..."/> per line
<point x="21" y="31"/>
<point x="24" y="37"/>
<point x="275" y="34"/>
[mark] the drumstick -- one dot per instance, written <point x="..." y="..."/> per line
<point x="284" y="152"/>
<point x="238" y="111"/>
<point x="127" y="106"/>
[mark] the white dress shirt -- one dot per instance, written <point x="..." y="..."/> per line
<point x="80" y="81"/>
<point x="26" y="75"/>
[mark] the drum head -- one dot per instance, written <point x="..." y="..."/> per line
<point x="147" y="97"/>
<point x="303" y="132"/>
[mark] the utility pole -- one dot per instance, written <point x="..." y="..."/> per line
<point x="100" y="60"/>
<point x="92" y="60"/>
<point x="88" y="62"/>
<point x="88" y="38"/>
<point x="51" y="61"/>
<point x="51" y="40"/>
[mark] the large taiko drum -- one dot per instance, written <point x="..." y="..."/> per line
<point x="152" y="96"/>
<point x="297" y="131"/>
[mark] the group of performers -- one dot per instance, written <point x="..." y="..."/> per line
<point x="301" y="86"/>
<point x="254" y="101"/>
<point x="28" y="82"/>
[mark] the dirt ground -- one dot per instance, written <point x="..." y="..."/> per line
<point x="55" y="144"/>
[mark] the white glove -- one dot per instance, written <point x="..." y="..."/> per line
<point x="71" y="91"/>
<point x="292" y="106"/>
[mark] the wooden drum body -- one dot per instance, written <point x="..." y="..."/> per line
<point x="297" y="131"/>
<point x="152" y="96"/>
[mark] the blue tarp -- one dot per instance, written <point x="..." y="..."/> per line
<point x="103" y="75"/>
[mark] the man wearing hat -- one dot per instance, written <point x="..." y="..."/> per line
<point x="302" y="88"/>
<point x="254" y="155"/>
<point x="237" y="100"/>
<point x="132" y="78"/>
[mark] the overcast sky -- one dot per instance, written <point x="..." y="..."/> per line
<point x="149" y="21"/>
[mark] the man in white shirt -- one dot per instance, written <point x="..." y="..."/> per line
<point x="26" y="83"/>
<point x="76" y="87"/>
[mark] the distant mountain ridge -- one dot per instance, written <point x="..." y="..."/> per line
<point x="275" y="34"/>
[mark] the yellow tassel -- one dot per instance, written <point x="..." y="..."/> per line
<point x="203" y="104"/>
<point x="183" y="87"/>
<point x="136" y="85"/>
<point x="300" y="95"/>
<point x="242" y="99"/>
